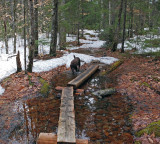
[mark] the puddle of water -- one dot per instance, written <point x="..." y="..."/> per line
<point x="99" y="120"/>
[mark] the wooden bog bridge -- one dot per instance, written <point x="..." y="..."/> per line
<point x="66" y="124"/>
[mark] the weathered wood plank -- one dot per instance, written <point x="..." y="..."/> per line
<point x="83" y="76"/>
<point x="50" y="138"/>
<point x="66" y="124"/>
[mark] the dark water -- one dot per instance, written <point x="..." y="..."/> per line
<point x="101" y="121"/>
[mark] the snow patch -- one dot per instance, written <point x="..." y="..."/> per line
<point x="1" y="90"/>
<point x="46" y="65"/>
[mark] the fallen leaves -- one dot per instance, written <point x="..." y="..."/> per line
<point x="139" y="81"/>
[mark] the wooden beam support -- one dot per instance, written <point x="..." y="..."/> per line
<point x="83" y="76"/>
<point x="50" y="138"/>
<point x="47" y="138"/>
<point x="66" y="124"/>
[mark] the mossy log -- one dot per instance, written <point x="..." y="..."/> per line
<point x="113" y="67"/>
<point x="153" y="127"/>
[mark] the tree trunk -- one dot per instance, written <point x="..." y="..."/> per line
<point x="116" y="39"/>
<point x="19" y="68"/>
<point x="104" y="6"/>
<point x="5" y="28"/>
<point x="24" y="33"/>
<point x="78" y="35"/>
<point x="78" y="22"/>
<point x="28" y="23"/>
<point x="36" y="26"/>
<point x="82" y="18"/>
<point x="53" y="44"/>
<point x="131" y="20"/>
<point x="152" y="22"/>
<point x="124" y="26"/>
<point x="109" y="19"/>
<point x="62" y="29"/>
<point x="14" y="25"/>
<point x="32" y="43"/>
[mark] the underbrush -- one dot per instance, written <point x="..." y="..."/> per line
<point x="152" y="43"/>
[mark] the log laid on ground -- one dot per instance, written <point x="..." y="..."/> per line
<point x="105" y="92"/>
<point x="66" y="124"/>
<point x="83" y="76"/>
<point x="50" y="138"/>
<point x="113" y="67"/>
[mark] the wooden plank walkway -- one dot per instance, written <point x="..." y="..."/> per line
<point x="66" y="124"/>
<point x="83" y="76"/>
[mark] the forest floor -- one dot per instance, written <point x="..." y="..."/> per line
<point x="138" y="78"/>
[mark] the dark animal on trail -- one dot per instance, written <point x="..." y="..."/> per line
<point x="75" y="64"/>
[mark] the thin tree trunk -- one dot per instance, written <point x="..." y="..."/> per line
<point x="5" y="28"/>
<point x="109" y="22"/>
<point x="124" y="26"/>
<point x="131" y="21"/>
<point x="82" y="18"/>
<point x="152" y="22"/>
<point x="32" y="44"/>
<point x="104" y="6"/>
<point x="116" y="39"/>
<point x="78" y="15"/>
<point x="28" y="23"/>
<point x="14" y="25"/>
<point x="36" y="26"/>
<point x="24" y="33"/>
<point x="78" y="35"/>
<point x="53" y="44"/>
<point x="5" y="36"/>
<point x="62" y="30"/>
<point x="18" y="61"/>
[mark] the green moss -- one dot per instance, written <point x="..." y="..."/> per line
<point x="30" y="82"/>
<point x="113" y="67"/>
<point x="137" y="142"/>
<point x="153" y="127"/>
<point x="45" y="87"/>
<point x="145" y="84"/>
